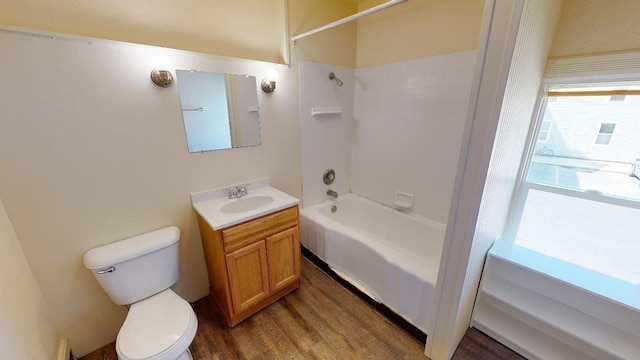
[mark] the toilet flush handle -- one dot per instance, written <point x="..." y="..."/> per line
<point x="108" y="270"/>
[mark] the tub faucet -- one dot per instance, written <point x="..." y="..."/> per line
<point x="332" y="193"/>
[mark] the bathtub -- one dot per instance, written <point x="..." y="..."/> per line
<point x="391" y="256"/>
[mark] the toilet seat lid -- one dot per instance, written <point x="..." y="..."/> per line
<point x="155" y="325"/>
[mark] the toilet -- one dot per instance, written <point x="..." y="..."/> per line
<point x="139" y="272"/>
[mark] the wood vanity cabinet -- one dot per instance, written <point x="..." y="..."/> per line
<point x="252" y="264"/>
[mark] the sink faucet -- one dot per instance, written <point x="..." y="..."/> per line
<point x="241" y="191"/>
<point x="231" y="193"/>
<point x="332" y="193"/>
<point x="237" y="192"/>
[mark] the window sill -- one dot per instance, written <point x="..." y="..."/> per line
<point x="546" y="308"/>
<point x="601" y="285"/>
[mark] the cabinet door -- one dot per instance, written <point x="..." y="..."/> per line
<point x="283" y="254"/>
<point x="248" y="277"/>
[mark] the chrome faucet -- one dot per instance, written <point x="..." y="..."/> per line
<point x="237" y="192"/>
<point x="332" y="193"/>
<point x="241" y="191"/>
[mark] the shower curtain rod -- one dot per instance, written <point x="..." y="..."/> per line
<point x="347" y="19"/>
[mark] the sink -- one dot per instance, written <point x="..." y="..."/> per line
<point x="220" y="212"/>
<point x="246" y="204"/>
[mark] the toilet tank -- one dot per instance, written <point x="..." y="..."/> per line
<point x="133" y="269"/>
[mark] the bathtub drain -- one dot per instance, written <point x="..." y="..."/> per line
<point x="334" y="208"/>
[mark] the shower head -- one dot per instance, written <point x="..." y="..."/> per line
<point x="333" y="77"/>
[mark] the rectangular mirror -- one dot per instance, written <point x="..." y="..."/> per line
<point x="220" y="111"/>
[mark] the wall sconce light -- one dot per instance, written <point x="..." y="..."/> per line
<point x="269" y="82"/>
<point x="162" y="78"/>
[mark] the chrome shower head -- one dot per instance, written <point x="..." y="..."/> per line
<point x="333" y="77"/>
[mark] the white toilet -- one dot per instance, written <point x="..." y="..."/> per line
<point x="160" y="324"/>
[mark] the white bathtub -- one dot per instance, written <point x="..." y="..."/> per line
<point x="391" y="256"/>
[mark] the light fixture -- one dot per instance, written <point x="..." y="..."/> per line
<point x="162" y="78"/>
<point x="269" y="82"/>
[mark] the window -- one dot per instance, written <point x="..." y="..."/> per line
<point x="577" y="202"/>
<point x="617" y="98"/>
<point x="605" y="133"/>
<point x="545" y="128"/>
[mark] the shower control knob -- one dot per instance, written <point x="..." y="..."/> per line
<point x="328" y="176"/>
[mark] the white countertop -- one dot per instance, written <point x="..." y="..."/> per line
<point x="208" y="204"/>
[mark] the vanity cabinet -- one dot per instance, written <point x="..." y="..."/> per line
<point x="252" y="264"/>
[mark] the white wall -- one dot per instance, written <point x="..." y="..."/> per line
<point x="535" y="35"/>
<point x="93" y="152"/>
<point x="409" y="117"/>
<point x="495" y="49"/>
<point x="26" y="331"/>
<point x="325" y="139"/>
<point x="497" y="129"/>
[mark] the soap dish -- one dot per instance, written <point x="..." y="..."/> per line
<point x="403" y="201"/>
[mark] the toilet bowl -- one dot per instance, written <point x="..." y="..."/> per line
<point x="153" y="325"/>
<point x="138" y="271"/>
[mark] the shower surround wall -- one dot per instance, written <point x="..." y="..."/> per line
<point x="326" y="139"/>
<point x="404" y="134"/>
<point x="409" y="117"/>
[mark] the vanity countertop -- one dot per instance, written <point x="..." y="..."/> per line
<point x="220" y="212"/>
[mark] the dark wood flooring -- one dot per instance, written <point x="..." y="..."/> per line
<point x="321" y="320"/>
<point x="475" y="345"/>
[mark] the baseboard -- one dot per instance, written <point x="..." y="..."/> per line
<point x="64" y="349"/>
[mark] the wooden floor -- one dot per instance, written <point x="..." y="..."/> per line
<point x="321" y="320"/>
<point x="475" y="345"/>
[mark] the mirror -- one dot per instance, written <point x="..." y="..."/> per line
<point x="220" y="111"/>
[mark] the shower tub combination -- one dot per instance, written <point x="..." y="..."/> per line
<point x="391" y="256"/>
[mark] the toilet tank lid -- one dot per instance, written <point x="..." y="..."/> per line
<point x="123" y="250"/>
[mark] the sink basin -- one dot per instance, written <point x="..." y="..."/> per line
<point x="220" y="212"/>
<point x="246" y="204"/>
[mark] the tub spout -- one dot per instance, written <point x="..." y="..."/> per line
<point x="332" y="193"/>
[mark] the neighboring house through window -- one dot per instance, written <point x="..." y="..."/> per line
<point x="571" y="182"/>
<point x="545" y="128"/>
<point x="605" y="133"/>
